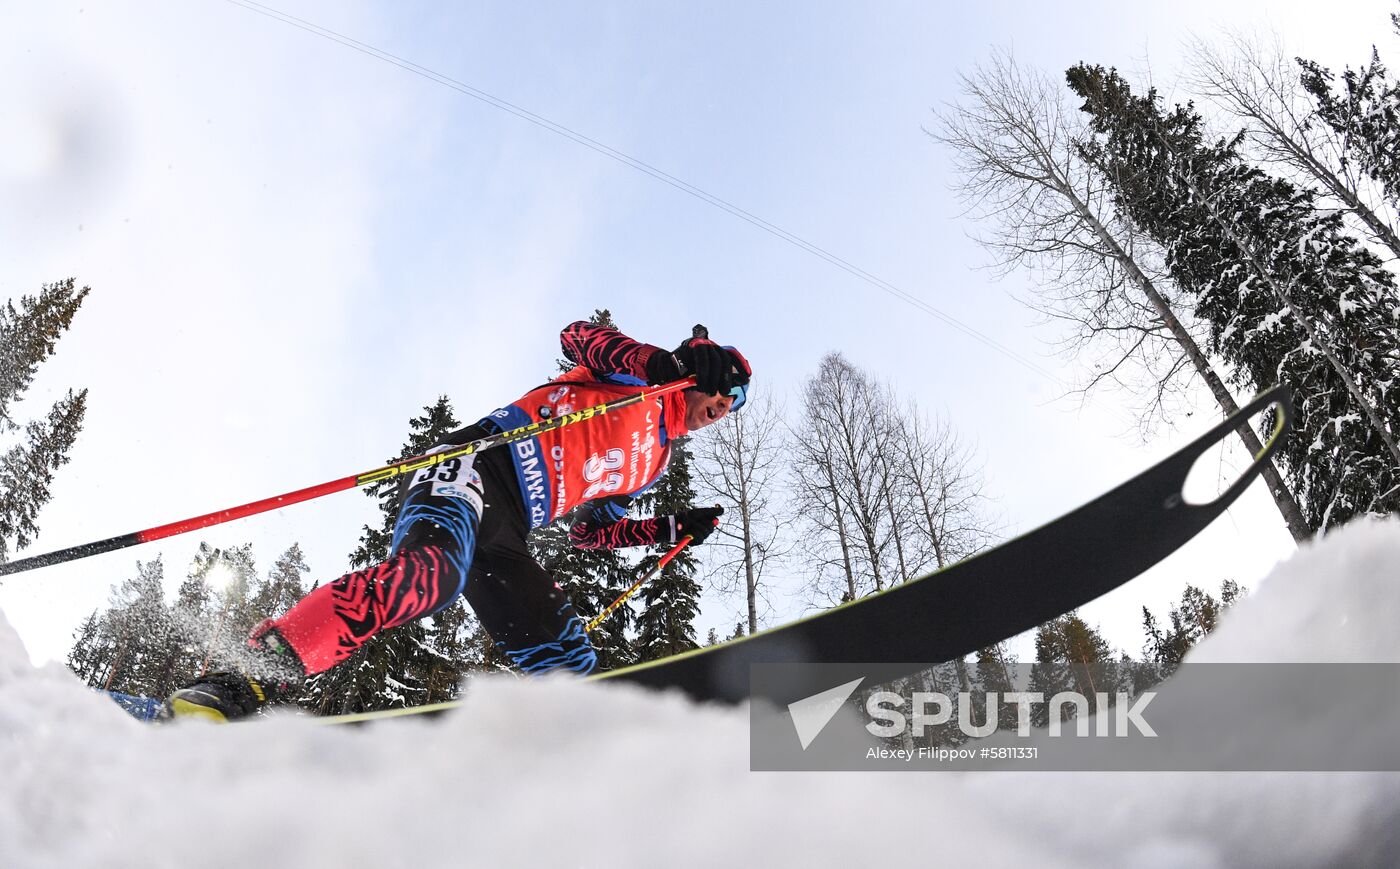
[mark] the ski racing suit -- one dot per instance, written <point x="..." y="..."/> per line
<point x="462" y="524"/>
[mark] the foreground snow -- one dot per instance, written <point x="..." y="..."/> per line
<point x="558" y="773"/>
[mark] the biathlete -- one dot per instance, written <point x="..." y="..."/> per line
<point x="462" y="524"/>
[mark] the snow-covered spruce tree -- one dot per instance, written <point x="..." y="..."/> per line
<point x="87" y="656"/>
<point x="592" y="578"/>
<point x="1013" y="138"/>
<point x="425" y="432"/>
<point x="282" y="587"/>
<point x="396" y="668"/>
<point x="139" y="630"/>
<point x="28" y="335"/>
<point x="1363" y="110"/>
<point x="1258" y="84"/>
<point x="1289" y="296"/>
<point x="671" y="599"/>
<point x="458" y="646"/>
<point x="213" y="609"/>
<point x="195" y="615"/>
<point x="237" y="597"/>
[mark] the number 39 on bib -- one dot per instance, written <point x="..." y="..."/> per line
<point x="601" y="473"/>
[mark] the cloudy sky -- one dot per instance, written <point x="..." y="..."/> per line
<point x="294" y="245"/>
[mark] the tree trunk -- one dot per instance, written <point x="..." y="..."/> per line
<point x="841" y="533"/>
<point x="746" y="520"/>
<point x="1283" y="498"/>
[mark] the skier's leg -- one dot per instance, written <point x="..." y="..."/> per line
<point x="528" y="615"/>
<point x="431" y="556"/>
<point x="432" y="548"/>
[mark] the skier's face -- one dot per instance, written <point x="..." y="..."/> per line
<point x="702" y="410"/>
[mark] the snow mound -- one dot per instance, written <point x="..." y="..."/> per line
<point x="1336" y="600"/>
<point x="557" y="772"/>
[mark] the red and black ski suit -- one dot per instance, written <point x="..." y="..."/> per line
<point x="462" y="524"/>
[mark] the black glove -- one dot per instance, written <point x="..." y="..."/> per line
<point x="709" y="362"/>
<point x="698" y="522"/>
<point x="663" y="367"/>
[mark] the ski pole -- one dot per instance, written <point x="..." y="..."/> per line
<point x="665" y="560"/>
<point x="387" y="472"/>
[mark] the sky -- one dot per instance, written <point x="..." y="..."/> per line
<point x="294" y="245"/>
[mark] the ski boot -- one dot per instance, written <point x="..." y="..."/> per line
<point x="218" y="697"/>
<point x="229" y="696"/>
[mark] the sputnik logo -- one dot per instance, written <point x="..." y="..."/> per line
<point x="811" y="715"/>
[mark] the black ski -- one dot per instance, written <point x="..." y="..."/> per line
<point x="976" y="603"/>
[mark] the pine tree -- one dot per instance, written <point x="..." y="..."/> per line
<point x="456" y="644"/>
<point x="401" y="667"/>
<point x="1365" y="115"/>
<point x="238" y="595"/>
<point x="994" y="676"/>
<point x="666" y="625"/>
<point x="28" y="335"/>
<point x="1190" y="621"/>
<point x="1072" y="656"/>
<point x="282" y="588"/>
<point x="1288" y="295"/>
<point x="142" y="635"/>
<point x="425" y="432"/>
<point x="85" y="658"/>
<point x="592" y="579"/>
<point x="194" y="609"/>
<point x="214" y="611"/>
<point x="1089" y="655"/>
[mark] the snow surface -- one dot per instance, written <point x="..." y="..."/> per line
<point x="555" y="772"/>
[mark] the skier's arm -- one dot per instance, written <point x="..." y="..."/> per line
<point x="604" y="350"/>
<point x="603" y="524"/>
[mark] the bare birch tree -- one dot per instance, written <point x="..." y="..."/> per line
<point x="817" y="497"/>
<point x="950" y="515"/>
<point x="840" y="472"/>
<point x="741" y="466"/>
<point x="1015" y="142"/>
<point x="893" y="494"/>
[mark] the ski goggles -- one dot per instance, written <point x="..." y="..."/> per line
<point x="740" y="394"/>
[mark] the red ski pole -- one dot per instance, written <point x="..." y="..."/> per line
<point x="665" y="560"/>
<point x="387" y="472"/>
